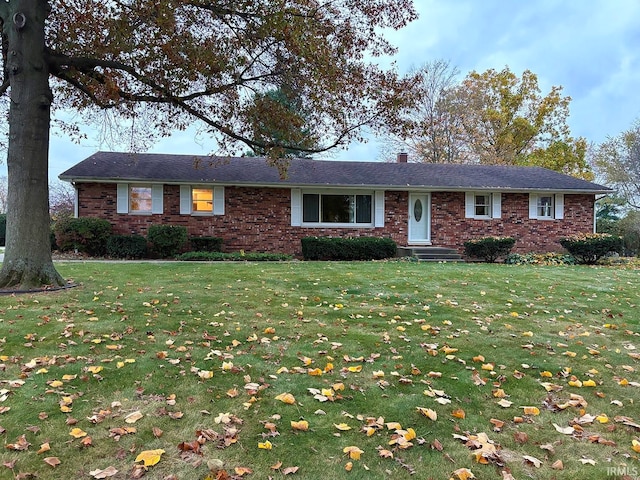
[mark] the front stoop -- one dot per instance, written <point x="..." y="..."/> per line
<point x="431" y="254"/>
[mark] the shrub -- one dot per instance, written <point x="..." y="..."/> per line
<point x="206" y="244"/>
<point x="85" y="234"/>
<point x="337" y="248"/>
<point x="167" y="240"/>
<point x="489" y="248"/>
<point x="591" y="247"/>
<point x="234" y="257"/>
<point x="540" y="259"/>
<point x="127" y="246"/>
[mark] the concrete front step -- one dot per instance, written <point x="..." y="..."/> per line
<point x="432" y="254"/>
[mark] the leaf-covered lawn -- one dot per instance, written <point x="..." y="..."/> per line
<point x="321" y="371"/>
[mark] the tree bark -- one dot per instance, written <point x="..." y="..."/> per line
<point x="27" y="262"/>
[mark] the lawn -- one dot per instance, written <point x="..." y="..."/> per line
<point x="308" y="370"/>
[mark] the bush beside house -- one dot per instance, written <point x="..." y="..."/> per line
<point x="489" y="249"/>
<point x="589" y="248"/>
<point x="338" y="248"/>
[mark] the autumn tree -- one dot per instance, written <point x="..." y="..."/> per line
<point x="431" y="128"/>
<point x="617" y="159"/>
<point x="508" y="121"/>
<point x="161" y="65"/>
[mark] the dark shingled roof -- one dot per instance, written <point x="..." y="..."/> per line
<point x="161" y="168"/>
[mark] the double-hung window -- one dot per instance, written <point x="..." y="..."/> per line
<point x="546" y="206"/>
<point x="139" y="199"/>
<point x="483" y="205"/>
<point x="342" y="209"/>
<point x="201" y="200"/>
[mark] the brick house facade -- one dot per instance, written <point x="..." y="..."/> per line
<point x="274" y="217"/>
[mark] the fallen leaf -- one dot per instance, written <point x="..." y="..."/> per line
<point x="531" y="410"/>
<point x="267" y="445"/>
<point x="557" y="465"/>
<point x="53" y="461"/>
<point x="45" y="447"/>
<point x="427" y="412"/>
<point x="343" y="427"/>
<point x="564" y="430"/>
<point x="302" y="425"/>
<point x="133" y="417"/>
<point x="532" y="460"/>
<point x="464" y="474"/>
<point x="353" y="452"/>
<point x="240" y="471"/>
<point x="287" y="398"/>
<point x="77" y="433"/>
<point x="290" y="470"/>
<point x="107" y="472"/>
<point x="149" y="457"/>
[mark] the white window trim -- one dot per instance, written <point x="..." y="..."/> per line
<point x="377" y="212"/>
<point x="558" y="206"/>
<point x="157" y="198"/>
<point x="186" y="200"/>
<point x="495" y="205"/>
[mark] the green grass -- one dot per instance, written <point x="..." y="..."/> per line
<point x="153" y="330"/>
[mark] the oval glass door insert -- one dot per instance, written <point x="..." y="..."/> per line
<point x="417" y="210"/>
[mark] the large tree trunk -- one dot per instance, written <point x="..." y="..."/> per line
<point x="27" y="262"/>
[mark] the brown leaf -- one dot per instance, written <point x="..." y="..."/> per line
<point x="290" y="470"/>
<point x="53" y="461"/>
<point x="157" y="432"/>
<point x="521" y="437"/>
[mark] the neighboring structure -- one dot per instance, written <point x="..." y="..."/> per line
<point x="244" y="201"/>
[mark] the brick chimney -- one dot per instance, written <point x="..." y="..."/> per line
<point x="403" y="157"/>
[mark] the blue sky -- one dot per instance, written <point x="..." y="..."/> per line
<point x="589" y="47"/>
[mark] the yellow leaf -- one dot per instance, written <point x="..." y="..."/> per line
<point x="342" y="426"/>
<point x="301" y="425"/>
<point x="149" y="457"/>
<point x="265" y="445"/>
<point x="531" y="410"/>
<point x="355" y="369"/>
<point x="66" y="378"/>
<point x="427" y="412"/>
<point x="77" y="433"/>
<point x="464" y="474"/>
<point x="635" y="445"/>
<point x="287" y="398"/>
<point x="338" y="386"/>
<point x="589" y="383"/>
<point x="458" y="413"/>
<point x="226" y="366"/>
<point x="205" y="374"/>
<point x="56" y="384"/>
<point x="353" y="452"/>
<point x="546" y="374"/>
<point x="45" y="447"/>
<point x="95" y="369"/>
<point x="349" y="466"/>
<point x="602" y="418"/>
<point x="328" y="367"/>
<point x="410" y="434"/>
<point x="316" y="372"/>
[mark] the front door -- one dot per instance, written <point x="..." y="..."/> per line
<point x="419" y="219"/>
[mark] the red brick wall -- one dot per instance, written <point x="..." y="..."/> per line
<point x="449" y="227"/>
<point x="259" y="219"/>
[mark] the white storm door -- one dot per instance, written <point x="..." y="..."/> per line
<point x="419" y="218"/>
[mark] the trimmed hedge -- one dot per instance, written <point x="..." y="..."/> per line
<point x="206" y="244"/>
<point x="167" y="240"/>
<point x="86" y="234"/>
<point x="234" y="257"/>
<point x="489" y="248"/>
<point x="127" y="246"/>
<point x="337" y="248"/>
<point x="591" y="247"/>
